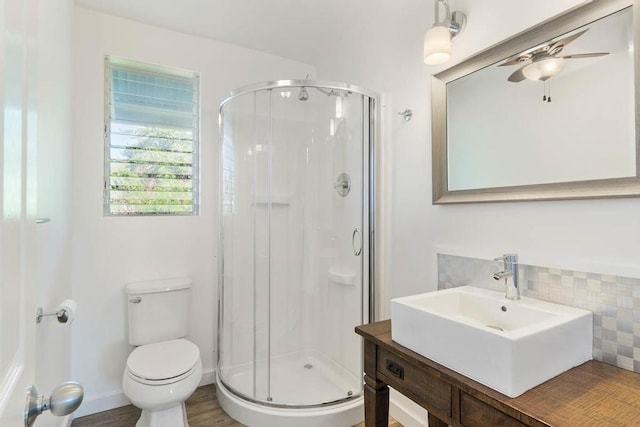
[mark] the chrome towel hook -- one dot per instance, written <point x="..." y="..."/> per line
<point x="407" y="114"/>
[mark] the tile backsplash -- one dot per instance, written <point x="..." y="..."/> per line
<point x="614" y="300"/>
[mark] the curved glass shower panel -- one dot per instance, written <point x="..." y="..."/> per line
<point x="295" y="256"/>
<point x="243" y="323"/>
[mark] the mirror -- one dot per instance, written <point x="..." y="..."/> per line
<point x="548" y="114"/>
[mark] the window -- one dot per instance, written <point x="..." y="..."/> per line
<point x="151" y="140"/>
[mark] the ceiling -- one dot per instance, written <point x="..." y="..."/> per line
<point x="296" y="29"/>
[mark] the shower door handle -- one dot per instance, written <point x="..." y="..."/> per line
<point x="357" y="249"/>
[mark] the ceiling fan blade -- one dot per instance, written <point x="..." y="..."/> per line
<point x="565" y="41"/>
<point x="548" y="48"/>
<point x="515" y="60"/>
<point x="517" y="76"/>
<point x="585" y="55"/>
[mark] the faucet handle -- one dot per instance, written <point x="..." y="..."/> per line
<point x="507" y="258"/>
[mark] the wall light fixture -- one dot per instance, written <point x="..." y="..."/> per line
<point x="437" y="40"/>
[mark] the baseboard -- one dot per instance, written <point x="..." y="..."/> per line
<point x="406" y="412"/>
<point x="208" y="377"/>
<point x="100" y="403"/>
<point x="116" y="399"/>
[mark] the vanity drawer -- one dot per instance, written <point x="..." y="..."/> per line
<point x="431" y="391"/>
<point x="474" y="413"/>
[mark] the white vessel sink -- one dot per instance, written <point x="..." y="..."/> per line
<point x="510" y="346"/>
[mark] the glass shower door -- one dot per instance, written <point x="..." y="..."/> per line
<point x="317" y="151"/>
<point x="294" y="256"/>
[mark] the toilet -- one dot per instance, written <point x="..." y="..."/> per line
<point x="165" y="368"/>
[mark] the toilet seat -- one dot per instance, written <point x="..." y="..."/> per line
<point x="164" y="362"/>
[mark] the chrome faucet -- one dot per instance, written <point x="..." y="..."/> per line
<point x="510" y="270"/>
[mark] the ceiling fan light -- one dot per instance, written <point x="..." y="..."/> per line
<point x="437" y="45"/>
<point x="544" y="68"/>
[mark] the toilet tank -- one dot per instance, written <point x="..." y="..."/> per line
<point x="158" y="310"/>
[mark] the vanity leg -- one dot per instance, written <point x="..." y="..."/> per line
<point x="376" y="403"/>
<point x="436" y="422"/>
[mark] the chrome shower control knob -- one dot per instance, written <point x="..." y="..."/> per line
<point x="64" y="399"/>
<point x="343" y="184"/>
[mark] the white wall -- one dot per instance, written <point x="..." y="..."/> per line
<point x="110" y="251"/>
<point x="53" y="342"/>
<point x="384" y="53"/>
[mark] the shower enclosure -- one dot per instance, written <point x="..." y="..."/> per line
<point x="295" y="252"/>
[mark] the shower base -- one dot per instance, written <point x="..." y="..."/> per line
<point x="319" y="381"/>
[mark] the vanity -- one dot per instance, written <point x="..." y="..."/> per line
<point x="592" y="394"/>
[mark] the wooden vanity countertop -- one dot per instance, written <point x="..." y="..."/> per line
<point x="592" y="394"/>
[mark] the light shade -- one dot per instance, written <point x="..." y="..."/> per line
<point x="437" y="45"/>
<point x="544" y="68"/>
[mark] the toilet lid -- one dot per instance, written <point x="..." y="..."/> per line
<point x="163" y="360"/>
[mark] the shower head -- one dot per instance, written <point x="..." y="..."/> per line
<point x="303" y="95"/>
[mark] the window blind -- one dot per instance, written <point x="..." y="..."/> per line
<point x="151" y="134"/>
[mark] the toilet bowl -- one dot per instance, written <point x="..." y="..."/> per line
<point x="158" y="379"/>
<point x="165" y="368"/>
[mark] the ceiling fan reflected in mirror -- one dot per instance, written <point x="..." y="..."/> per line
<point x="544" y="61"/>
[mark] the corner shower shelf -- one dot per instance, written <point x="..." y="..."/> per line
<point x="342" y="278"/>
<point x="276" y="199"/>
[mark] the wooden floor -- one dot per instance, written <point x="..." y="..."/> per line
<point x="203" y="410"/>
<point x="392" y="423"/>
